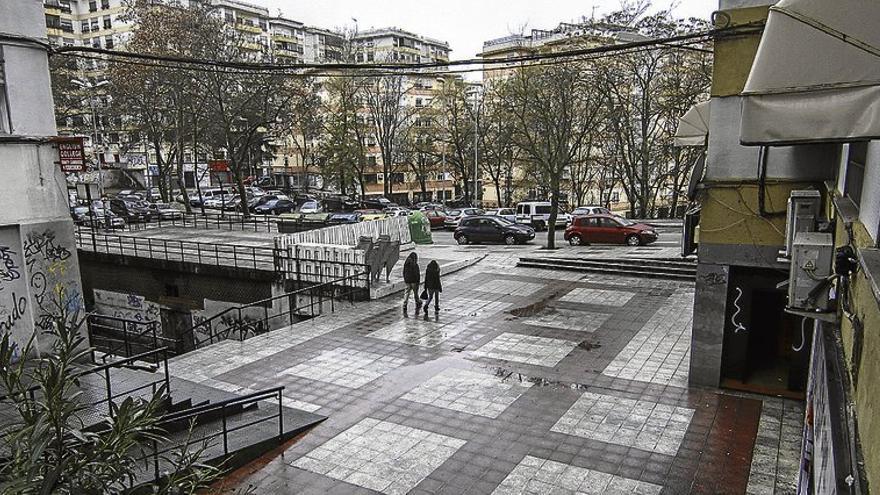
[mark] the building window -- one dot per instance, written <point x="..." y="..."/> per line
<point x="95" y="24"/>
<point x="230" y="18"/>
<point x="855" y="171"/>
<point x="107" y="22"/>
<point x="84" y="26"/>
<point x="105" y="4"/>
<point x="93" y="6"/>
<point x="5" y="120"/>
<point x="108" y="42"/>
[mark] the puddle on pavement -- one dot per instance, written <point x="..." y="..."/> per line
<point x="506" y="374"/>
<point x="534" y="308"/>
<point x="586" y="344"/>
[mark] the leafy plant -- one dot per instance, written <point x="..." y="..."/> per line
<point x="46" y="445"/>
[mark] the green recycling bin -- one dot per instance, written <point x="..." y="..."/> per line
<point x="420" y="228"/>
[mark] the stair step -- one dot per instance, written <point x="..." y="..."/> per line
<point x="615" y="265"/>
<point x="665" y="262"/>
<point x="609" y="271"/>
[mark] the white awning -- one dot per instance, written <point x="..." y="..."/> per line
<point x="816" y="76"/>
<point x="693" y="126"/>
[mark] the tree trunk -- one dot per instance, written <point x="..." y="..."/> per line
<point x="554" y="210"/>
<point x="181" y="183"/>
<point x="239" y="182"/>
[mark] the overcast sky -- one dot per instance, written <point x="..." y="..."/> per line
<point x="465" y="24"/>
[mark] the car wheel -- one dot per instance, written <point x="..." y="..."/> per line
<point x="633" y="240"/>
<point x="509" y="239"/>
<point x="462" y="240"/>
<point x="575" y="240"/>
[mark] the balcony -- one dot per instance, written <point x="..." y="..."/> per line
<point x="285" y="38"/>
<point x="248" y="27"/>
<point x="249" y="45"/>
<point x="53" y="31"/>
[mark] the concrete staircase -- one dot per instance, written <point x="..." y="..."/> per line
<point x="671" y="269"/>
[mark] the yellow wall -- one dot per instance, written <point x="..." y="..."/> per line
<point x="730" y="213"/>
<point x="867" y="400"/>
<point x="734" y="56"/>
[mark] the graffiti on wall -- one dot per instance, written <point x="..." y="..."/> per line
<point x="127" y="306"/>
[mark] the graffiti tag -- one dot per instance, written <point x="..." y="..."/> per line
<point x="18" y="307"/>
<point x="9" y="270"/>
<point x="44" y="246"/>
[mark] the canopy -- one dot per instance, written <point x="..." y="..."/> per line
<point x="693" y="126"/>
<point x="816" y="74"/>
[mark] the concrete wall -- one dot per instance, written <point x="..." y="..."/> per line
<point x="39" y="273"/>
<point x="869" y="210"/>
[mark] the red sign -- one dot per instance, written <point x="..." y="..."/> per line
<point x="218" y="165"/>
<point x="71" y="154"/>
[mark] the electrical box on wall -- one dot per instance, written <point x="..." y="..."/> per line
<point x="803" y="213"/>
<point x="812" y="254"/>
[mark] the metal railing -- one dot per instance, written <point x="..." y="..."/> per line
<point x="126" y="337"/>
<point x="212" y="221"/>
<point x="104" y="372"/>
<point x="210" y="412"/>
<point x="255" y="258"/>
<point x="246" y="321"/>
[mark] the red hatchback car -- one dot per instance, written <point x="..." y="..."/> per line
<point x="436" y="217"/>
<point x="608" y="229"/>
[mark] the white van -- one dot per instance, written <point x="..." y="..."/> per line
<point x="537" y="214"/>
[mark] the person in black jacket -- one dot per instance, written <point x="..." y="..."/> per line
<point x="411" y="274"/>
<point x="433" y="286"/>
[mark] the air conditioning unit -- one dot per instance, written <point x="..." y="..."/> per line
<point x="803" y="213"/>
<point x="812" y="254"/>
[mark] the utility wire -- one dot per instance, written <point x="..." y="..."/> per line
<point x="276" y="67"/>
<point x="367" y="71"/>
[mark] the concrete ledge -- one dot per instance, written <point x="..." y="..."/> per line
<point x="388" y="289"/>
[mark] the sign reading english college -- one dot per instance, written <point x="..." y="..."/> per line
<point x="71" y="154"/>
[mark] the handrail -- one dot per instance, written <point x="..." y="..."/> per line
<point x="119" y="336"/>
<point x="223" y="407"/>
<point x="315" y="293"/>
<point x="200" y="410"/>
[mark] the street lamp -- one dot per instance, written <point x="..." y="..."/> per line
<point x="91" y="87"/>
<point x="474" y="92"/>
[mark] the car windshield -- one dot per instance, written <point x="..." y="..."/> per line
<point x="454" y="213"/>
<point x="504" y="221"/>
<point x="624" y="221"/>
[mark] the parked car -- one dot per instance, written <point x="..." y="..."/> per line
<point x="130" y="211"/>
<point x="340" y="203"/>
<point x="311" y="206"/>
<point x="80" y="215"/>
<point x="275" y="207"/>
<point x="164" y="211"/>
<point x="537" y="215"/>
<point x="453" y="217"/>
<point x="505" y="213"/>
<point x="253" y="203"/>
<point x="492" y="229"/>
<point x="590" y="210"/>
<point x="377" y="203"/>
<point x="344" y="217"/>
<point x="371" y="214"/>
<point x="436" y="217"/>
<point x="609" y="229"/>
<point x="220" y="201"/>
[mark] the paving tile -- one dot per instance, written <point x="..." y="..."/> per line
<point x="509" y="287"/>
<point x="380" y="455"/>
<point x="543" y="476"/>
<point x="568" y="319"/>
<point x="631" y="423"/>
<point x="346" y="367"/>
<point x="470" y="392"/>
<point x="660" y="351"/>
<point x="605" y="297"/>
<point x="540" y="351"/>
<point x="419" y="332"/>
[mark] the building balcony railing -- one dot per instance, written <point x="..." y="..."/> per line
<point x="285" y="38"/>
<point x="53" y="31"/>
<point x="248" y="28"/>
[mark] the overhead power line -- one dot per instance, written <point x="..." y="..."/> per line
<point x="678" y="41"/>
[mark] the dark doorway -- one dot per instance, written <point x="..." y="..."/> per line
<point x="764" y="349"/>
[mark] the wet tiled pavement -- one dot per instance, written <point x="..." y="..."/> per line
<point x="526" y="381"/>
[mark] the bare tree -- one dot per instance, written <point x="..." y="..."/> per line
<point x="390" y="115"/>
<point x="554" y="110"/>
<point x="456" y="125"/>
<point x="499" y="151"/>
<point x="306" y="127"/>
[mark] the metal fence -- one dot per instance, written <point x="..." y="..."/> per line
<point x="199" y="425"/>
<point x="116" y="336"/>
<point x="150" y="362"/>
<point x="246" y="321"/>
<point x="212" y="221"/>
<point x="231" y="255"/>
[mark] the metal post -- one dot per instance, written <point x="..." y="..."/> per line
<point x="280" y="416"/>
<point x="109" y="393"/>
<point x="225" y="436"/>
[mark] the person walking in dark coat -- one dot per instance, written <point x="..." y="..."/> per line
<point x="432" y="285"/>
<point x="411" y="274"/>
